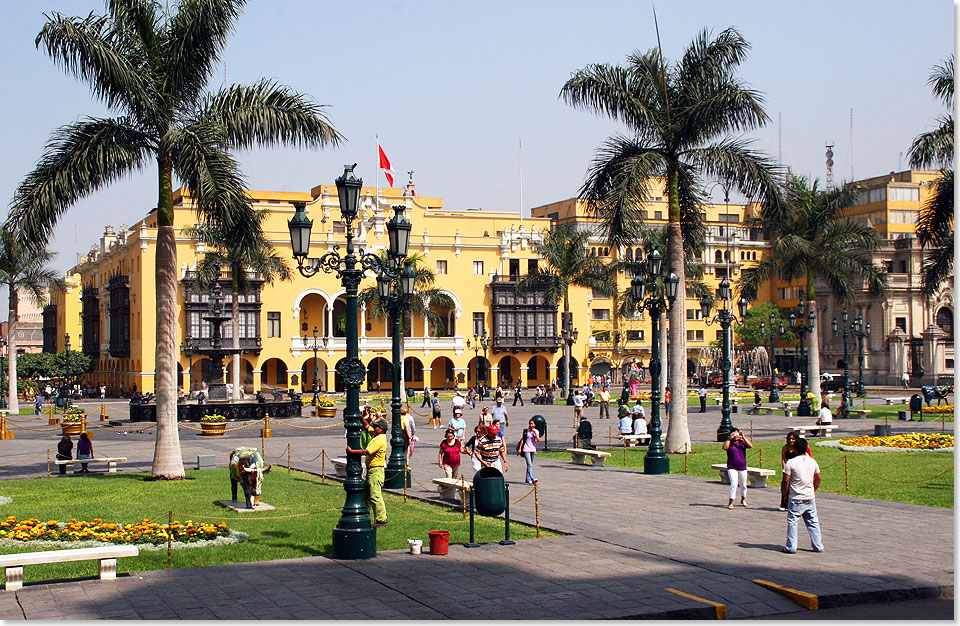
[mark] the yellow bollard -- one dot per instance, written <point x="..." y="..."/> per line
<point x="751" y="430"/>
<point x="405" y="469"/>
<point x="4" y="434"/>
<point x="536" y="507"/>
<point x="685" y="457"/>
<point x="624" y="452"/>
<point x="761" y="458"/>
<point x="83" y="424"/>
<point x="103" y="412"/>
<point x="609" y="437"/>
<point x="53" y="420"/>
<point x="265" y="431"/>
<point x="463" y="495"/>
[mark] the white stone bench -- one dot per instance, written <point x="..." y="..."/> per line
<point x="580" y="456"/>
<point x="826" y="428"/>
<point x="755" y="475"/>
<point x="790" y="405"/>
<point x="860" y="412"/>
<point x="901" y="400"/>
<point x="451" y="488"/>
<point x="633" y="440"/>
<point x="110" y="461"/>
<point x="754" y="410"/>
<point x="107" y="555"/>
<point x="339" y="467"/>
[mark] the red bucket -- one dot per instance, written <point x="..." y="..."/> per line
<point x="439" y="541"/>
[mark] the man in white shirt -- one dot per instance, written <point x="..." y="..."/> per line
<point x="639" y="420"/>
<point x="801" y="480"/>
<point x="702" y="393"/>
<point x="499" y="412"/>
<point x="578" y="400"/>
<point x="458" y="402"/>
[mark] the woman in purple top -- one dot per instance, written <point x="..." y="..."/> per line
<point x="736" y="447"/>
<point x="84" y="451"/>
<point x="527" y="447"/>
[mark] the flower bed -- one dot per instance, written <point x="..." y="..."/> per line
<point x="213" y="418"/>
<point x="934" y="442"/>
<point x="937" y="408"/>
<point x="324" y="402"/>
<point x="142" y="532"/>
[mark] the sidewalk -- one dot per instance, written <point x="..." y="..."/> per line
<point x="632" y="537"/>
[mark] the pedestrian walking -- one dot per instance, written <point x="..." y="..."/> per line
<point x="436" y="413"/>
<point x="426" y="397"/>
<point x="517" y="395"/>
<point x="449" y="457"/>
<point x="37" y="405"/>
<point x="803" y="479"/>
<point x="578" y="400"/>
<point x="485" y="418"/>
<point x="905" y="378"/>
<point x="491" y="452"/>
<point x="527" y="448"/>
<point x="499" y="412"/>
<point x="604" y="397"/>
<point x="702" y="393"/>
<point x="376" y="455"/>
<point x="666" y="402"/>
<point x="736" y="447"/>
<point x="458" y="424"/>
<point x="470" y="447"/>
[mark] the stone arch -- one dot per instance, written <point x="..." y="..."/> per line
<point x="246" y="371"/>
<point x="601" y="366"/>
<point x="413" y="372"/>
<point x="273" y="374"/>
<point x="508" y="370"/>
<point x="442" y="375"/>
<point x="538" y="371"/>
<point x="944" y="319"/>
<point x="484" y="371"/>
<point x="306" y="384"/>
<point x="379" y="370"/>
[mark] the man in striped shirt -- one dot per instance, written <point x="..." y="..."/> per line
<point x="491" y="452"/>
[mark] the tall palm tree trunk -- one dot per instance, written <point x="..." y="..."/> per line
<point x="167" y="458"/>
<point x="12" y="316"/>
<point x="813" y="352"/>
<point x="678" y="435"/>
<point x="664" y="357"/>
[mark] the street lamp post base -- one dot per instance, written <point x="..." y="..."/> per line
<point x="354" y="544"/>
<point x="723" y="434"/>
<point x="395" y="480"/>
<point x="656" y="465"/>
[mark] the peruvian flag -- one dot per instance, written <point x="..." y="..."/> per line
<point x="385" y="165"/>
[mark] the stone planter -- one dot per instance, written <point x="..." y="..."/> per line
<point x="213" y="429"/>
<point x="325" y="411"/>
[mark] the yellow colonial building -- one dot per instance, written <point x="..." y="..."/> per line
<point x="477" y="256"/>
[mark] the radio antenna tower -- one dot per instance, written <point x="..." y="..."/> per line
<point x="829" y="155"/>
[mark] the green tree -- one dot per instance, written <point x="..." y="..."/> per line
<point x="426" y="300"/>
<point x="749" y="333"/>
<point x="23" y="267"/>
<point x="935" y="221"/>
<point x="810" y="239"/>
<point x="567" y="261"/>
<point x="152" y="68"/>
<point x="682" y="117"/>
<point x="249" y="256"/>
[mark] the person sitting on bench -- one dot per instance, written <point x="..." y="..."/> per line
<point x="585" y="434"/>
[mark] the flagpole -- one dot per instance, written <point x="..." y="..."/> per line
<point x="520" y="163"/>
<point x="377" y="160"/>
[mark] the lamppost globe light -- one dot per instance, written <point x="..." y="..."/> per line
<point x="793" y="320"/>
<point x="656" y="262"/>
<point x="801" y="308"/>
<point x="383" y="286"/>
<point x="673" y="284"/>
<point x="638" y="288"/>
<point x="743" y="305"/>
<point x="398" y="232"/>
<point x="316" y="332"/>
<point x="724" y="290"/>
<point x="835" y="325"/>
<point x="300" y="227"/>
<point x="408" y="279"/>
<point x="845" y="314"/>
<point x="705" y="307"/>
<point x="348" y="190"/>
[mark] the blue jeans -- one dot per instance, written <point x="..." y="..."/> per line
<point x="807" y="509"/>
<point x="528" y="457"/>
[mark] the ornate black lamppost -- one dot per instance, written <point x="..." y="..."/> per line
<point x="845" y="333"/>
<point x="480" y="342"/>
<point x="860" y="332"/>
<point x="656" y="461"/>
<point x="395" y="288"/>
<point x="801" y="327"/>
<point x="68" y="378"/>
<point x="187" y="350"/>
<point x="568" y="335"/>
<point x="774" y="335"/>
<point x="353" y="537"/>
<point x="725" y="317"/>
<point x="319" y="343"/>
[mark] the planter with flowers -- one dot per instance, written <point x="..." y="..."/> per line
<point x="72" y="421"/>
<point x="325" y="407"/>
<point x="213" y="425"/>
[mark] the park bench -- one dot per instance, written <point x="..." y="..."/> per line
<point x="451" y="488"/>
<point x="107" y="555"/>
<point x="339" y="467"/>
<point x="633" y="440"/>
<point x="826" y="428"/>
<point x="757" y="476"/>
<point x="754" y="410"/>
<point x="860" y="412"/>
<point x="580" y="456"/>
<point x="110" y="461"/>
<point x="900" y="400"/>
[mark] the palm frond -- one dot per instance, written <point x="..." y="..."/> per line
<point x="935" y="220"/>
<point x="197" y="35"/>
<point x="937" y="267"/>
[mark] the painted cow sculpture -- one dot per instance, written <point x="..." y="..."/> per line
<point x="247" y="469"/>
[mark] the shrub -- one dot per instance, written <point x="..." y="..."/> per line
<point x="213" y="418"/>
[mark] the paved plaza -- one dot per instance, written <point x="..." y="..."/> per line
<point x="631" y="537"/>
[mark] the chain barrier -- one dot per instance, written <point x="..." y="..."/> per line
<point x="532" y="489"/>
<point x="432" y="521"/>
<point x="901" y="482"/>
<point x="308" y="460"/>
<point x="226" y="430"/>
<point x="37" y="430"/>
<point x="254" y="519"/>
<point x="422" y="486"/>
<point x="410" y="410"/>
<point x="272" y="455"/>
<point x="340" y="424"/>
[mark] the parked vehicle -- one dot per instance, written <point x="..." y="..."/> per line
<point x="831" y="382"/>
<point x="764" y="383"/>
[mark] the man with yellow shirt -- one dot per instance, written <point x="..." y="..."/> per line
<point x="376" y="453"/>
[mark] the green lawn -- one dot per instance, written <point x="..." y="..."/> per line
<point x="306" y="512"/>
<point x="924" y="478"/>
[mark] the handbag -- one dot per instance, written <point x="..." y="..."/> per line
<point x="523" y="438"/>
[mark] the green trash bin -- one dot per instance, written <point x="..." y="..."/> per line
<point x="410" y="392"/>
<point x="490" y="499"/>
<point x="541" y="424"/>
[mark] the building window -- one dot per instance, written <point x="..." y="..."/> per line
<point x="901" y="323"/>
<point x="945" y="320"/>
<point x="719" y="335"/>
<point x="904" y="194"/>
<point x="634" y="335"/>
<point x="598" y="295"/>
<point x="478" y="324"/>
<point x="694" y="335"/>
<point x="949" y="364"/>
<point x="658" y="215"/>
<point x="532" y="265"/>
<point x="601" y="314"/>
<point x="441" y="267"/>
<point x="478" y="267"/>
<point x="903" y="266"/>
<point x="694" y="314"/>
<point x="273" y="324"/>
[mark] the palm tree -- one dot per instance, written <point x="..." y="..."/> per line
<point x="935" y="149"/>
<point x="810" y="239"/>
<point x="680" y="117"/>
<point x="151" y="69"/>
<point x="23" y="266"/>
<point x="426" y="297"/>
<point x="567" y="262"/>
<point x="242" y="252"/>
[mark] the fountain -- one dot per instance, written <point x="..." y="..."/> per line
<point x="217" y="398"/>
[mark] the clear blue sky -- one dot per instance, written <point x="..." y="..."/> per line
<point x="452" y="87"/>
